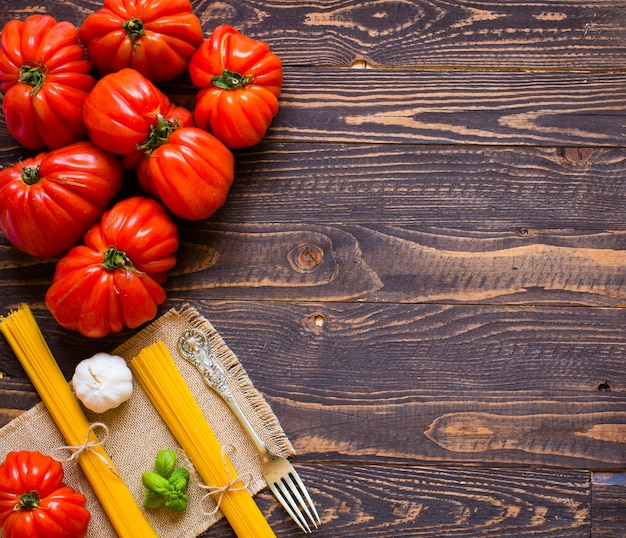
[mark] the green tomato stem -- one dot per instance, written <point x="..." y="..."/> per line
<point x="116" y="259"/>
<point x="135" y="29"/>
<point x="28" y="501"/>
<point x="229" y="80"/>
<point x="30" y="175"/>
<point x="33" y="75"/>
<point x="159" y="134"/>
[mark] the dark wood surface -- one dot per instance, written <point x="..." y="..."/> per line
<point x="422" y="267"/>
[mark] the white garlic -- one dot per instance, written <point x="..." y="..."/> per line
<point x="102" y="382"/>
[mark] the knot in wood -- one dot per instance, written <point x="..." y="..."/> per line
<point x="580" y="156"/>
<point x="314" y="323"/>
<point x="305" y="258"/>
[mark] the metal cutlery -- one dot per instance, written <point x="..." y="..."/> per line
<point x="278" y="472"/>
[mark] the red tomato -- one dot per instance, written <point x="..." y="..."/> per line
<point x="122" y="109"/>
<point x="240" y="81"/>
<point x="48" y="202"/>
<point x="34" y="501"/>
<point x="191" y="173"/>
<point x="45" y="79"/>
<point x="155" y="37"/>
<point x="113" y="280"/>
<point x="176" y="117"/>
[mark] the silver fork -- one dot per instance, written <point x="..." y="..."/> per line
<point x="279" y="474"/>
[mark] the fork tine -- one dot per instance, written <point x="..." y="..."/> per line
<point x="296" y="488"/>
<point x="278" y="489"/>
<point x="309" y="502"/>
<point x="295" y="492"/>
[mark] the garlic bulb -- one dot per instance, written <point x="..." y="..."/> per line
<point x="102" y="382"/>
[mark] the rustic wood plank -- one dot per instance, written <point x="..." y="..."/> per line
<point x="338" y="263"/>
<point x="16" y="393"/>
<point x="451" y="107"/>
<point x="472" y="187"/>
<point x="608" y="506"/>
<point x="429" y="383"/>
<point x="478" y="34"/>
<point x="437" y="33"/>
<point x="435" y="107"/>
<point x="384" y="501"/>
<point x="335" y="263"/>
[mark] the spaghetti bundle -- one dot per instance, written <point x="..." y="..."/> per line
<point x="25" y="338"/>
<point x="157" y="373"/>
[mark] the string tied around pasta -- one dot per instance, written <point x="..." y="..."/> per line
<point x="218" y="492"/>
<point x="88" y="446"/>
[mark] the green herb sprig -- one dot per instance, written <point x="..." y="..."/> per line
<point x="166" y="484"/>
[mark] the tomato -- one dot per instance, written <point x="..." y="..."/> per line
<point x="49" y="201"/>
<point x="45" y="79"/>
<point x="34" y="501"/>
<point x="240" y="81"/>
<point x="155" y="37"/>
<point x="191" y="172"/>
<point x="121" y="110"/>
<point x="114" y="279"/>
<point x="176" y="117"/>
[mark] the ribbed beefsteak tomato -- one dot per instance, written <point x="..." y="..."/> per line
<point x="49" y="201"/>
<point x="45" y="79"/>
<point x="123" y="108"/>
<point x="155" y="37"/>
<point x="240" y="81"/>
<point x="189" y="170"/>
<point x="114" y="279"/>
<point x="34" y="501"/>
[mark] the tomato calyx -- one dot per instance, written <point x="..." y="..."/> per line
<point x="230" y="80"/>
<point x="159" y="134"/>
<point x="116" y="259"/>
<point x="135" y="29"/>
<point x="28" y="501"/>
<point x="33" y="75"/>
<point x="30" y="175"/>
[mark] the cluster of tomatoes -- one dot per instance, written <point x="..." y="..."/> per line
<point x="90" y="130"/>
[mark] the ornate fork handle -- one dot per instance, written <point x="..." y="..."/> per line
<point x="194" y="347"/>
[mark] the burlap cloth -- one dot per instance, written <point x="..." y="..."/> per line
<point x="137" y="432"/>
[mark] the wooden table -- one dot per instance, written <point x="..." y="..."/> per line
<point x="422" y="266"/>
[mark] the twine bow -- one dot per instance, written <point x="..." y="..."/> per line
<point x="88" y="446"/>
<point x="219" y="491"/>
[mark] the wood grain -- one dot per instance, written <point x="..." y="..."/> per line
<point x="472" y="188"/>
<point x="431" y="266"/>
<point x="352" y="264"/>
<point x="426" y="33"/>
<point x="401" y="383"/>
<point x="385" y="501"/>
<point x="452" y="107"/>
<point x="426" y="107"/>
